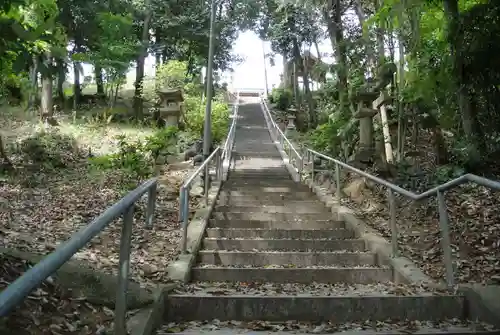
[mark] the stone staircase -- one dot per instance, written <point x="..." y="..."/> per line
<point x="274" y="253"/>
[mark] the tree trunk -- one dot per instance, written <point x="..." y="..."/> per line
<point x="61" y="78"/>
<point x="158" y="50"/>
<point x="296" y="91"/>
<point x="305" y="77"/>
<point x="386" y="154"/>
<point x="333" y="16"/>
<point x="139" y="70"/>
<point x="401" y="84"/>
<point x="77" y="89"/>
<point x="470" y="122"/>
<point x="47" y="106"/>
<point x="99" y="80"/>
<point x="6" y="163"/>
<point x="316" y="46"/>
<point x="370" y="57"/>
<point x="33" y="94"/>
<point x="379" y="33"/>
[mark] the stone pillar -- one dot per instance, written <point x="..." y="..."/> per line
<point x="171" y="106"/>
<point x="365" y="115"/>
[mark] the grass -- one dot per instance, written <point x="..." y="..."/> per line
<point x="16" y="124"/>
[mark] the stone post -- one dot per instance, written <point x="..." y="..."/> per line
<point x="171" y="102"/>
<point x="365" y="116"/>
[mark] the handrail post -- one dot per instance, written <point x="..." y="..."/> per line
<point x="185" y="218"/>
<point x="207" y="182"/>
<point x="393" y="224"/>
<point x="218" y="166"/>
<point x="150" y="211"/>
<point x="312" y="169"/>
<point x="338" y="192"/>
<point x="123" y="272"/>
<point x="445" y="239"/>
<point x="301" y="168"/>
<point x="182" y="195"/>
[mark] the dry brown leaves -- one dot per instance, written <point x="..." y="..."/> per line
<point x="50" y="310"/>
<point x="37" y="219"/>
<point x="474" y="220"/>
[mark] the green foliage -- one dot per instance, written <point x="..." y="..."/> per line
<point x="49" y="150"/>
<point x="195" y="114"/>
<point x="138" y="158"/>
<point x="283" y="98"/>
<point x="163" y="142"/>
<point x="172" y="74"/>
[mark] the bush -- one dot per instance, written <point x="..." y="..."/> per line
<point x="195" y="114"/>
<point x="282" y="98"/>
<point x="50" y="150"/>
<point x="138" y="158"/>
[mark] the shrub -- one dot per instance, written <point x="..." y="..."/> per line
<point x="282" y="98"/>
<point x="50" y="149"/>
<point x="138" y="158"/>
<point x="195" y="114"/>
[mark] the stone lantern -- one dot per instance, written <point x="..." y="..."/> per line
<point x="291" y="116"/>
<point x="365" y="114"/>
<point x="171" y="105"/>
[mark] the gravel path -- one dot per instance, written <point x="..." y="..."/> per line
<point x="295" y="289"/>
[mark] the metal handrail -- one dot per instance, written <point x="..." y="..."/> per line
<point x="438" y="191"/>
<point x="278" y="135"/>
<point x="14" y="294"/>
<point x="222" y="157"/>
<point x="228" y="144"/>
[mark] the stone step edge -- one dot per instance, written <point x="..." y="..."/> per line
<point x="266" y="194"/>
<point x="279" y="229"/>
<point x="301" y="253"/>
<point x="285" y="222"/>
<point x="339" y="309"/>
<point x="428" y="331"/>
<point x="291" y="298"/>
<point x="353" y="240"/>
<point x="302" y="268"/>
<point x="315" y="208"/>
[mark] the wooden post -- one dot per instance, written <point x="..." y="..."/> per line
<point x="379" y="103"/>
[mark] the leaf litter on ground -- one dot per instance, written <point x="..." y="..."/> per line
<point x="474" y="221"/>
<point x="39" y="217"/>
<point x="295" y="327"/>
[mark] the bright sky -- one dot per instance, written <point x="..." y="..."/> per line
<point x="249" y="74"/>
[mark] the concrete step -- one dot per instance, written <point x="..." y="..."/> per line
<point x="255" y="202"/>
<point x="243" y="148"/>
<point x="298" y="208"/>
<point x="334" y="308"/>
<point x="256" y="216"/>
<point x="260" y="327"/>
<point x="339" y="233"/>
<point x="259" y="175"/>
<point x="299" y="259"/>
<point x="269" y="195"/>
<point x="268" y="185"/>
<point x="258" y="142"/>
<point x="263" y="169"/>
<point x="283" y="244"/>
<point x="312" y="225"/>
<point x="253" y="127"/>
<point x="242" y="181"/>
<point x="256" y="153"/>
<point x="329" y="275"/>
